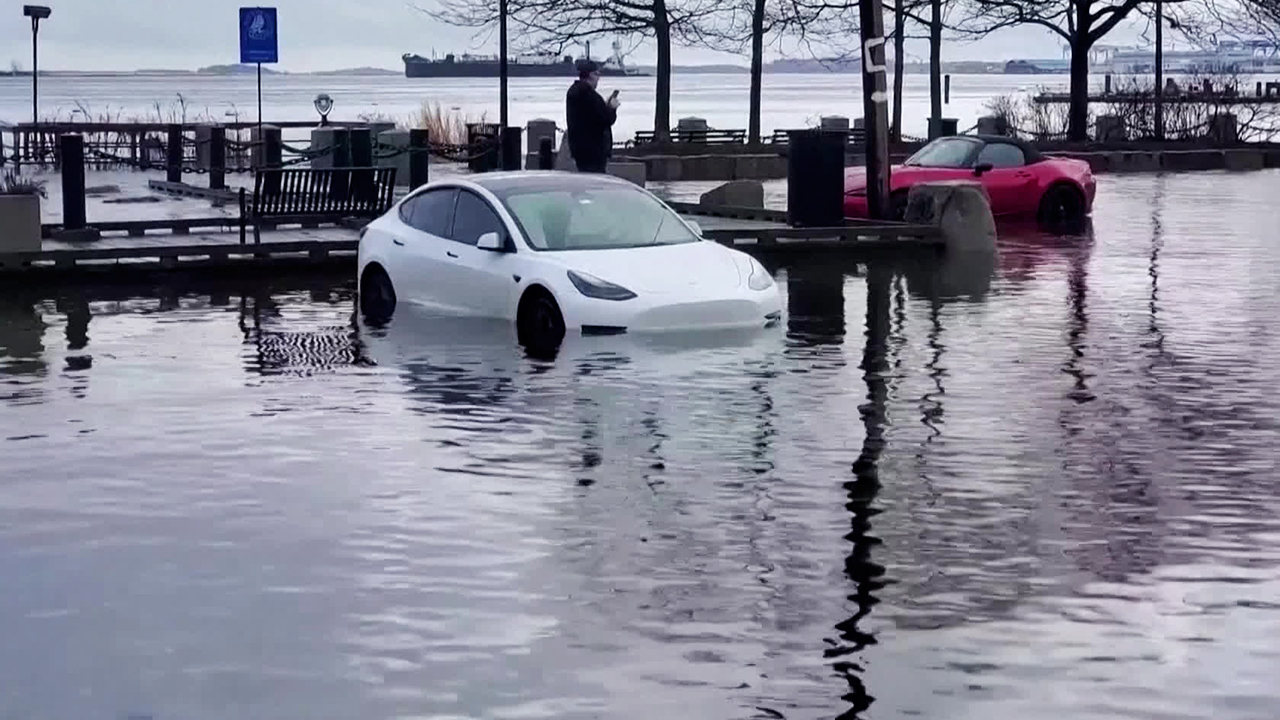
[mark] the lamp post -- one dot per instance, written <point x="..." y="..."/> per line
<point x="502" y="65"/>
<point x="36" y="13"/>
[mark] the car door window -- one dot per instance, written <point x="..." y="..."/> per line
<point x="474" y="217"/>
<point x="431" y="212"/>
<point x="1002" y="155"/>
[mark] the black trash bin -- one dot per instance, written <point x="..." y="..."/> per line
<point x="484" y="147"/>
<point x="815" y="177"/>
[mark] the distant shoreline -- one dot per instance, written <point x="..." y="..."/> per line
<point x="780" y="68"/>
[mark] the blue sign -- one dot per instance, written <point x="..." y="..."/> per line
<point x="258" y="41"/>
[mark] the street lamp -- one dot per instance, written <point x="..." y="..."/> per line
<point x="36" y="13"/>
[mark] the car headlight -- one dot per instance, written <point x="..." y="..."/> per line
<point x="594" y="287"/>
<point x="760" y="279"/>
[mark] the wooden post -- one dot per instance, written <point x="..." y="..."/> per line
<point x="419" y="158"/>
<point x="173" y="155"/>
<point x="72" y="153"/>
<point x="546" y="154"/>
<point x="217" y="158"/>
<point x="875" y="104"/>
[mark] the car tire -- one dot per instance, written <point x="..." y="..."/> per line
<point x="377" y="295"/>
<point x="1061" y="208"/>
<point x="539" y="322"/>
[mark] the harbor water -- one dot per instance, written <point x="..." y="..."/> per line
<point x="1044" y="487"/>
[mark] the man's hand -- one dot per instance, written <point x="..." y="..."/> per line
<point x="614" y="102"/>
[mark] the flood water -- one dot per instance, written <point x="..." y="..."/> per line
<point x="1041" y="489"/>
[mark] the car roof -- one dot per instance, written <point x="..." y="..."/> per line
<point x="1028" y="150"/>
<point x="509" y="181"/>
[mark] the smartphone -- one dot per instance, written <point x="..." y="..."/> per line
<point x="613" y="95"/>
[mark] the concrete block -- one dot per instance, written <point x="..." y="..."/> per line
<point x="390" y="140"/>
<point x="534" y="131"/>
<point x="834" y="122"/>
<point x="20" y="219"/>
<point x="257" y="152"/>
<point x="1110" y="128"/>
<point x="691" y="123"/>
<point x="1244" y="159"/>
<point x="736" y="193"/>
<point x="203" y="133"/>
<point x="632" y="171"/>
<point x="1223" y="129"/>
<point x="992" y="125"/>
<point x="960" y="208"/>
<point x="320" y="138"/>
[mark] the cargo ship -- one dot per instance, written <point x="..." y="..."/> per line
<point x="543" y="64"/>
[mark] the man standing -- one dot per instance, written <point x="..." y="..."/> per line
<point x="590" y="119"/>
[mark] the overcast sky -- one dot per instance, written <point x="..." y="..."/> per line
<point x="324" y="34"/>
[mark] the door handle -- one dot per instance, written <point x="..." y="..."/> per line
<point x="450" y="253"/>
<point x="397" y="242"/>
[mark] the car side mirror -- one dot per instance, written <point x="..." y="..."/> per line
<point x="490" y="241"/>
<point x="981" y="168"/>
<point x="693" y="225"/>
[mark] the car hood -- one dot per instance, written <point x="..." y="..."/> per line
<point x="694" y="267"/>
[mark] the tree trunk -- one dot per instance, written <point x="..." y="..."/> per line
<point x="935" y="67"/>
<point x="757" y="71"/>
<point x="899" y="58"/>
<point x="662" y="90"/>
<point x="1078" y="114"/>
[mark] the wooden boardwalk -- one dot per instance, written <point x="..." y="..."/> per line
<point x="214" y="245"/>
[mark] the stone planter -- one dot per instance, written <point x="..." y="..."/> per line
<point x="19" y="223"/>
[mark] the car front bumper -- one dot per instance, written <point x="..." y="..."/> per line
<point x="657" y="313"/>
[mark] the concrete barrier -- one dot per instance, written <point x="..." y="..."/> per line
<point x="395" y="139"/>
<point x="633" y="171"/>
<point x="1244" y="159"/>
<point x="960" y="208"/>
<point x="735" y="193"/>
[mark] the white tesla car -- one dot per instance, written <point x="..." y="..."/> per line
<point x="557" y="252"/>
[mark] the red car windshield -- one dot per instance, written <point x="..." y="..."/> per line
<point x="949" y="152"/>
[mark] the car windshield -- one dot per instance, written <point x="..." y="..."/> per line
<point x="950" y="152"/>
<point x="600" y="218"/>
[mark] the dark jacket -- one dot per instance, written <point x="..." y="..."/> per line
<point x="590" y="121"/>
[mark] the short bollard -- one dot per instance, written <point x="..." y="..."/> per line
<point x="71" y="151"/>
<point x="546" y="154"/>
<point x="173" y="155"/>
<point x="419" y="157"/>
<point x="362" y="157"/>
<point x="218" y="158"/>
<point x="512" y="145"/>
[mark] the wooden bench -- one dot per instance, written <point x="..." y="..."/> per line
<point x="315" y="195"/>
<point x="696" y="137"/>
<point x="857" y="136"/>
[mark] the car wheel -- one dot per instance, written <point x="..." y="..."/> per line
<point x="377" y="296"/>
<point x="539" y="322"/>
<point x="1061" y="208"/>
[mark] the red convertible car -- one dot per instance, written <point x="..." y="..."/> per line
<point x="1020" y="182"/>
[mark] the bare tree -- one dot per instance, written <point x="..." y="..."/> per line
<point x="1081" y="23"/>
<point x="557" y="24"/>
